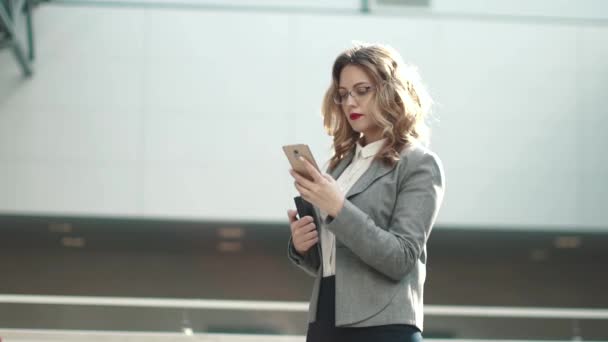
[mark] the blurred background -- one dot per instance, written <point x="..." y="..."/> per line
<point x="143" y="189"/>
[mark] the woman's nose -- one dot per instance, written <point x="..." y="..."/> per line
<point x="350" y="100"/>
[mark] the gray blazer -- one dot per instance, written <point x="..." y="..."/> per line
<point x="381" y="235"/>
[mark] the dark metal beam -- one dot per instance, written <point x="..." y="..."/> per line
<point x="30" y="29"/>
<point x="8" y="10"/>
<point x="365" y="6"/>
<point x="5" y="44"/>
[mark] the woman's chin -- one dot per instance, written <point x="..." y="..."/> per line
<point x="357" y="127"/>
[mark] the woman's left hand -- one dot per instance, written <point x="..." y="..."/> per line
<point x="323" y="191"/>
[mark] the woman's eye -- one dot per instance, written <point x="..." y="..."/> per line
<point x="362" y="90"/>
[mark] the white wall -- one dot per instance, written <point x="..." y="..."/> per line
<point x="181" y="113"/>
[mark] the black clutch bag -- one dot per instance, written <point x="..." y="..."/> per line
<point x="304" y="208"/>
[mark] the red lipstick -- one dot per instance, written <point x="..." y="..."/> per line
<point x="355" y="116"/>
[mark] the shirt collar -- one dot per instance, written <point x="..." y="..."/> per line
<point x="369" y="150"/>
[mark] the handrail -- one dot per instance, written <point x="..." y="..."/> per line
<point x="291" y="306"/>
<point x="352" y="7"/>
<point x="344" y="7"/>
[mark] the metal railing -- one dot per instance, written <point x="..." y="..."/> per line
<point x="283" y="306"/>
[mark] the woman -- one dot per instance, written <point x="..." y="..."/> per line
<point x="376" y="207"/>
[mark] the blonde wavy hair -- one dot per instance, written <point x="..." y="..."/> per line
<point x="400" y="103"/>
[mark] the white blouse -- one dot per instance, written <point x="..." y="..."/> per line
<point x="361" y="162"/>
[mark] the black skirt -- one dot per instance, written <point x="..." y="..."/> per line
<point x="324" y="328"/>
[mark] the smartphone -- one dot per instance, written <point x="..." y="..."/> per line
<point x="293" y="152"/>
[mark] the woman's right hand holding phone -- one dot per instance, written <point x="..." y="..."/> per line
<point x="303" y="232"/>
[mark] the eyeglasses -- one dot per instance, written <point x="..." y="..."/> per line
<point x="358" y="93"/>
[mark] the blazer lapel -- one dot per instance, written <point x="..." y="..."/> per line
<point x="376" y="170"/>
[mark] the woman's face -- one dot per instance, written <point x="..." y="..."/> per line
<point x="356" y="91"/>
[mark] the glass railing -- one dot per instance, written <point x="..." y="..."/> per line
<point x="32" y="314"/>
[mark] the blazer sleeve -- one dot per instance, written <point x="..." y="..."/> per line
<point x="395" y="250"/>
<point x="309" y="262"/>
